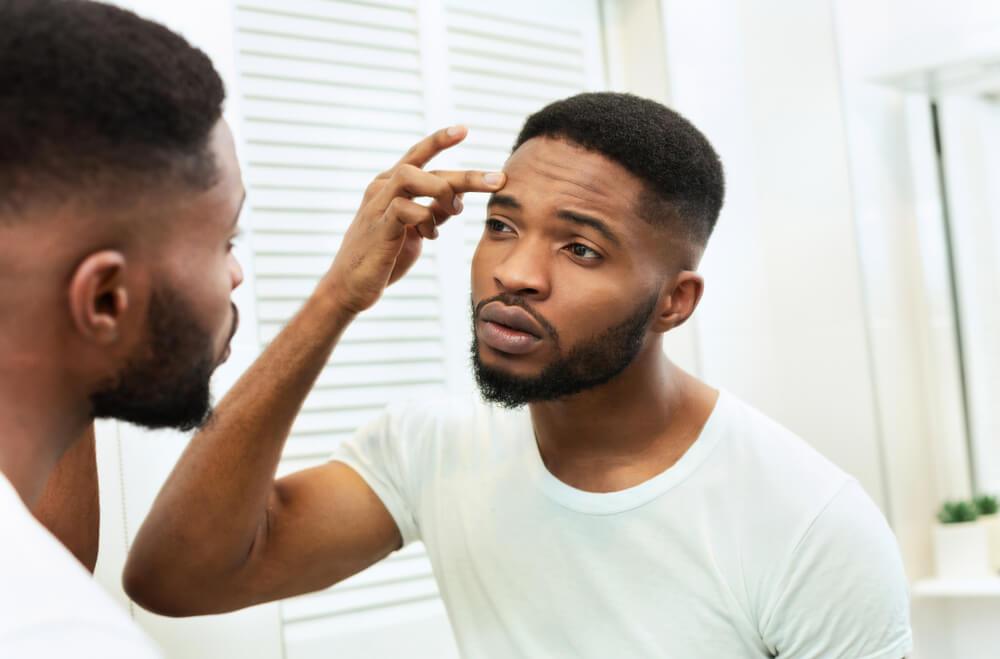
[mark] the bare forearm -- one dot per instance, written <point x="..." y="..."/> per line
<point x="70" y="506"/>
<point x="214" y="505"/>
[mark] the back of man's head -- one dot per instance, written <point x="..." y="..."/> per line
<point x="119" y="196"/>
<point x="98" y="104"/>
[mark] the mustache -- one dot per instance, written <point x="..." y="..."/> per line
<point x="511" y="300"/>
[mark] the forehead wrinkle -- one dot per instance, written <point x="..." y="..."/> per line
<point x="591" y="187"/>
<point x="589" y="205"/>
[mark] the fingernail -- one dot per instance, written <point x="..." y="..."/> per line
<point x="455" y="130"/>
<point x="457" y="203"/>
<point x="493" y="178"/>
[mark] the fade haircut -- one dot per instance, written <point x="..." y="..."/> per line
<point x="99" y="104"/>
<point x="681" y="172"/>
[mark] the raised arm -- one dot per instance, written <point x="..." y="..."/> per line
<point x="223" y="534"/>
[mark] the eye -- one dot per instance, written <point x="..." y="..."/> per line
<point x="581" y="251"/>
<point x="496" y="226"/>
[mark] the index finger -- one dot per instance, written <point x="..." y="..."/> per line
<point x="468" y="180"/>
<point x="422" y="152"/>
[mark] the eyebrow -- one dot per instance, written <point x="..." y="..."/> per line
<point x="507" y="201"/>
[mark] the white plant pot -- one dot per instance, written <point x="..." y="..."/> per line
<point x="992" y="525"/>
<point x="961" y="551"/>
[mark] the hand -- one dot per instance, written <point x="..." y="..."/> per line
<point x="385" y="237"/>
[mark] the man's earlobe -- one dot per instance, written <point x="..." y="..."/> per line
<point x="681" y="302"/>
<point x="98" y="296"/>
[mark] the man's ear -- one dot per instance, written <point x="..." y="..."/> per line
<point x="98" y="296"/>
<point x="677" y="305"/>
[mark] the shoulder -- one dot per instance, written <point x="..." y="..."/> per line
<point x="843" y="591"/>
<point x="442" y="421"/>
<point x="45" y="588"/>
<point x="773" y="465"/>
<point x="818" y="554"/>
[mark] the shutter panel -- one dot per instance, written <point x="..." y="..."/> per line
<point x="331" y="96"/>
<point x="332" y="92"/>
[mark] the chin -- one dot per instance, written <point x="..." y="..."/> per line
<point x="524" y="366"/>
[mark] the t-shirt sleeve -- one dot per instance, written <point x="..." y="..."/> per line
<point x="378" y="453"/>
<point x="844" y="593"/>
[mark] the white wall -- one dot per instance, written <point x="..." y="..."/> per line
<point x="783" y="320"/>
<point x="899" y="211"/>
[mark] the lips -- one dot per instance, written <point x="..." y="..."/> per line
<point x="514" y="318"/>
<point x="507" y="329"/>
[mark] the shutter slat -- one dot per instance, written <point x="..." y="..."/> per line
<point x="358" y="34"/>
<point x="402" y="18"/>
<point x="285" y="288"/>
<point x="497" y="46"/>
<point x="262" y="176"/>
<point x="332" y="73"/>
<point x="293" y="49"/>
<point x="361" y="95"/>
<point x="332" y="158"/>
<point x="515" y="33"/>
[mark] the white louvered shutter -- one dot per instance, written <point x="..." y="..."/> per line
<point x="332" y="92"/>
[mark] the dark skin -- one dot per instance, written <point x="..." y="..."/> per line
<point x="69" y="506"/>
<point x="259" y="539"/>
<point x="79" y="308"/>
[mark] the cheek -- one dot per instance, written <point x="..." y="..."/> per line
<point x="482" y="269"/>
<point x="582" y="307"/>
<point x="210" y="292"/>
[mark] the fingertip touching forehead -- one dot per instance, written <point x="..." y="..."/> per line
<point x="99" y="105"/>
<point x="682" y="177"/>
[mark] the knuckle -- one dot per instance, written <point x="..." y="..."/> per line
<point x="395" y="206"/>
<point x="372" y="189"/>
<point x="403" y="175"/>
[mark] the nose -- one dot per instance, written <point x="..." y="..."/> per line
<point x="523" y="271"/>
<point x="235" y="272"/>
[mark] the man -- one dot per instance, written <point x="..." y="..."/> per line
<point x="630" y="510"/>
<point x="119" y="195"/>
<point x="119" y="198"/>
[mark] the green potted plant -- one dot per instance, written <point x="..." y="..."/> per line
<point x="961" y="548"/>
<point x="986" y="506"/>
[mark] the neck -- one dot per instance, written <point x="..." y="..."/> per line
<point x="626" y="431"/>
<point x="40" y="417"/>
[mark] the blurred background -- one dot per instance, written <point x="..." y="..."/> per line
<point x="852" y="283"/>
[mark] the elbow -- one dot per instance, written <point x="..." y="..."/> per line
<point x="156" y="592"/>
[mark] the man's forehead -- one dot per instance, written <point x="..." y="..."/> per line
<point x="555" y="171"/>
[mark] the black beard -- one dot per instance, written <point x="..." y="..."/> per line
<point x="167" y="384"/>
<point x="594" y="362"/>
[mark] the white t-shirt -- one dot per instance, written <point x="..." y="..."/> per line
<point x="751" y="545"/>
<point x="50" y="606"/>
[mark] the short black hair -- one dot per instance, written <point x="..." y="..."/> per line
<point x="94" y="100"/>
<point x="681" y="171"/>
